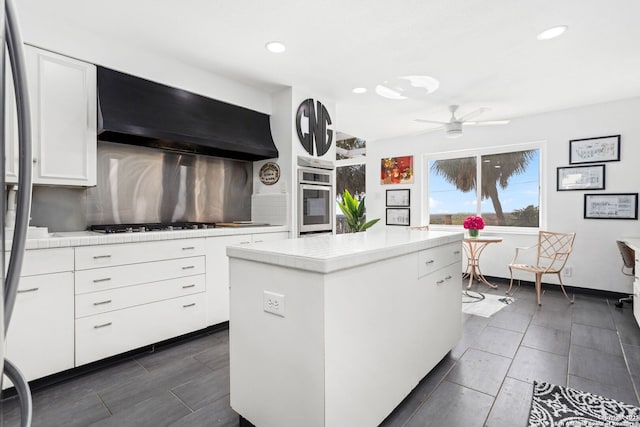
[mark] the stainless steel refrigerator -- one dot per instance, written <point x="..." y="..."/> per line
<point x="11" y="42"/>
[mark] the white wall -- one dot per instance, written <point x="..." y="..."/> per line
<point x="51" y="34"/>
<point x="595" y="262"/>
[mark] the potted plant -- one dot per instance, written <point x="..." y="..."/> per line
<point x="354" y="212"/>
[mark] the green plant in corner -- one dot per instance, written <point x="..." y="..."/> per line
<point x="354" y="212"/>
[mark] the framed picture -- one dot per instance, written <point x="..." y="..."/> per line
<point x="580" y="178"/>
<point x="594" y="150"/>
<point x="398" y="216"/>
<point x="396" y="170"/>
<point x="611" y="206"/>
<point x="399" y="198"/>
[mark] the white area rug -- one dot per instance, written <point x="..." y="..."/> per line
<point x="487" y="307"/>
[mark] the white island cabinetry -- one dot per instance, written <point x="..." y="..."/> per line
<point x="42" y="321"/>
<point x="359" y="320"/>
<point x="136" y="294"/>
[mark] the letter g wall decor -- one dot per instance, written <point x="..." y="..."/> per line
<point x="311" y="125"/>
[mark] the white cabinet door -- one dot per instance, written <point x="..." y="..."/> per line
<point x="40" y="340"/>
<point x="218" y="276"/>
<point x="63" y="104"/>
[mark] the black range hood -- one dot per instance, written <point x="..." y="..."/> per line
<point x="135" y="111"/>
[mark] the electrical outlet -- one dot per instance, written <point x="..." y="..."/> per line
<point x="273" y="303"/>
<point x="567" y="271"/>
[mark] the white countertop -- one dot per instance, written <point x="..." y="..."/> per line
<point x="328" y="253"/>
<point x="85" y="238"/>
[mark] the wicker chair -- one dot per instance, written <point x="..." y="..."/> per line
<point x="553" y="250"/>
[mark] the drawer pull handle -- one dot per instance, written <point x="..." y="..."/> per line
<point x="188" y="267"/>
<point x="188" y="286"/>
<point x="244" y="243"/>
<point x="430" y="261"/>
<point x="439" y="282"/>
<point x="447" y="278"/>
<point x="188" y="248"/>
<point x="258" y="241"/>
<point x="189" y="305"/>
<point x="23" y="291"/>
<point x="102" y="302"/>
<point x="106" y="279"/>
<point x="456" y="252"/>
<point x="104" y="325"/>
<point x="101" y="256"/>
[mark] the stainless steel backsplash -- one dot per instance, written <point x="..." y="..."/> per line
<point x="139" y="184"/>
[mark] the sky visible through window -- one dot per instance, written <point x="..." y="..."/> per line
<point x="522" y="191"/>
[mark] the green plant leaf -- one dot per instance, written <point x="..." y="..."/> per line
<point x="369" y="224"/>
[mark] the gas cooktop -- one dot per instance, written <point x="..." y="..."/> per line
<point x="154" y="226"/>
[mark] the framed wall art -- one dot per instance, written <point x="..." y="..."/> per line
<point x="580" y="178"/>
<point x="611" y="206"/>
<point x="399" y="198"/>
<point x="594" y="150"/>
<point x="398" y="216"/>
<point x="396" y="170"/>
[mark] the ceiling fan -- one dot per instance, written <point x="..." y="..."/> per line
<point x="453" y="128"/>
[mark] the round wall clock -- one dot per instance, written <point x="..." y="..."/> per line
<point x="269" y="173"/>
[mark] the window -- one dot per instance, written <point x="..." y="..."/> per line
<point x="509" y="184"/>
<point x="350" y="174"/>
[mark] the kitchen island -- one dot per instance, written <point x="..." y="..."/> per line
<point x="337" y="330"/>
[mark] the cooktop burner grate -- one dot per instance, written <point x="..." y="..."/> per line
<point x="154" y="226"/>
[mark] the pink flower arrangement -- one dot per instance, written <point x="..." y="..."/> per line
<point x="473" y="223"/>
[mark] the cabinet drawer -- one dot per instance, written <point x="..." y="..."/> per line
<point x="108" y="334"/>
<point x="132" y="253"/>
<point x="93" y="303"/>
<point x="100" y="279"/>
<point x="44" y="261"/>
<point x="433" y="259"/>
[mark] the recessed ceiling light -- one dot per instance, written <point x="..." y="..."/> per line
<point x="275" y="47"/>
<point x="359" y="90"/>
<point x="552" y="33"/>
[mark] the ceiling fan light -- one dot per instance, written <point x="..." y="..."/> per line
<point x="453" y="129"/>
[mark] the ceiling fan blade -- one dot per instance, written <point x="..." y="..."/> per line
<point x="430" y="121"/>
<point x="426" y="131"/>
<point x="487" y="123"/>
<point x="473" y="114"/>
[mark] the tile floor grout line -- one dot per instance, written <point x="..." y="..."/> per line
<point x="444" y="377"/>
<point x="506" y="375"/>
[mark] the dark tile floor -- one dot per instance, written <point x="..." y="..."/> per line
<point x="486" y="380"/>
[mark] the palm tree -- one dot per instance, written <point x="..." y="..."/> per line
<point x="496" y="169"/>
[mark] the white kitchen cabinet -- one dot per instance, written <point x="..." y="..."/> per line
<point x="63" y="99"/>
<point x="218" y="271"/>
<point x="40" y="339"/>
<point x="136" y="294"/>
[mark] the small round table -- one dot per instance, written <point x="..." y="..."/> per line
<point x="473" y="247"/>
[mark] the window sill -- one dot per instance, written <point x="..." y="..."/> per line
<point x="511" y="231"/>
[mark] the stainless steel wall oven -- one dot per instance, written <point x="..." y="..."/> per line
<point x="316" y="200"/>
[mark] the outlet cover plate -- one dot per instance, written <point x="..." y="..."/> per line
<point x="273" y="303"/>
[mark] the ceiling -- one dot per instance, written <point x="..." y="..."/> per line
<point x="484" y="53"/>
